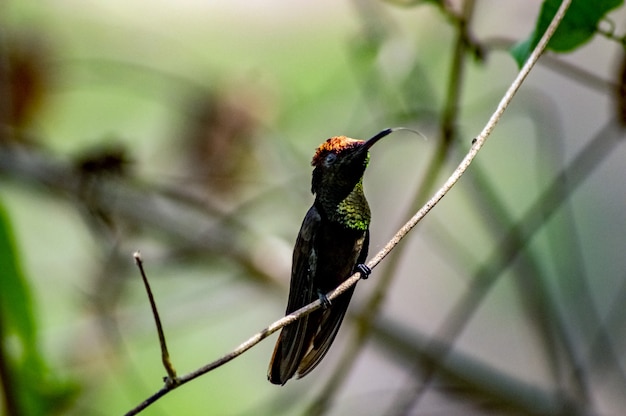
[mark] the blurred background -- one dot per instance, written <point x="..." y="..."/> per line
<point x="185" y="130"/>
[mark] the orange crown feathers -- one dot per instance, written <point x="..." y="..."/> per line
<point x="335" y="145"/>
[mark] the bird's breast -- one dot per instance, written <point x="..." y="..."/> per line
<point x="337" y="250"/>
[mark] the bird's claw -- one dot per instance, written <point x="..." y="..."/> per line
<point x="364" y="270"/>
<point x="324" y="299"/>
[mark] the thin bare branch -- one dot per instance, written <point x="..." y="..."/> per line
<point x="165" y="356"/>
<point x="245" y="346"/>
<point x="477" y="144"/>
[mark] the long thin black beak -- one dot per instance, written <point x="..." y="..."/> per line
<point x="371" y="142"/>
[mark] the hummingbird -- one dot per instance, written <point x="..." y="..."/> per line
<point x="332" y="245"/>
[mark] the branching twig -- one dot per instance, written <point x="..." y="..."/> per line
<point x="245" y="346"/>
<point x="477" y="144"/>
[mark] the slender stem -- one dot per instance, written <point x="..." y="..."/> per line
<point x="165" y="356"/>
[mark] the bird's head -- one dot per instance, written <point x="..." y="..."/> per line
<point x="340" y="163"/>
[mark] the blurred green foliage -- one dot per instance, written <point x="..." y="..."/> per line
<point x="29" y="386"/>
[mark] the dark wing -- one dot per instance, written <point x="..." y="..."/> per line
<point x="332" y="317"/>
<point x="295" y="339"/>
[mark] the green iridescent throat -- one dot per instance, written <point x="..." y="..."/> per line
<point x="353" y="212"/>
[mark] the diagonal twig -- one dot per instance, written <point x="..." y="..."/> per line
<point x="477" y="144"/>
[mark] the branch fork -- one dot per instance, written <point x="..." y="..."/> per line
<point x="172" y="381"/>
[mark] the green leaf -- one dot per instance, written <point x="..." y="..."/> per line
<point x="27" y="379"/>
<point x="578" y="26"/>
<point x="15" y="303"/>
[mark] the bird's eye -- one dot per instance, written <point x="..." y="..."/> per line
<point x="330" y="158"/>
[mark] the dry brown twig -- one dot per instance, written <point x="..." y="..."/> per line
<point x="173" y="382"/>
